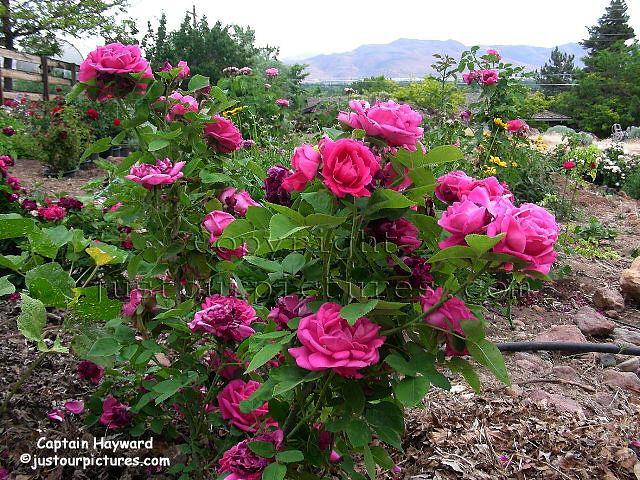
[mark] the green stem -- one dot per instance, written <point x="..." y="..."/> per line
<point x="316" y="407"/>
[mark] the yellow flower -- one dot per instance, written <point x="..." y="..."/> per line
<point x="514" y="164"/>
<point x="489" y="170"/>
<point x="230" y="113"/>
<point x="497" y="161"/>
<point x="497" y="121"/>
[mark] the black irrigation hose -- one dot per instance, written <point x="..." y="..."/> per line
<point x="573" y="347"/>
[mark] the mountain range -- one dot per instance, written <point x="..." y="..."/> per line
<point x="410" y="58"/>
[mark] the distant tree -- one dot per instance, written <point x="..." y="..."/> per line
<point x="374" y="84"/>
<point x="559" y="69"/>
<point x="612" y="27"/>
<point x="430" y="94"/>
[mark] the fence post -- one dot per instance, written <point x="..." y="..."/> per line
<point x="72" y="67"/>
<point x="45" y="77"/>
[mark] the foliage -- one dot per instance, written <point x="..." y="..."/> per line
<point x="632" y="184"/>
<point x="613" y="26"/>
<point x="430" y="94"/>
<point x="614" y="165"/>
<point x="374" y="84"/>
<point x="558" y="70"/>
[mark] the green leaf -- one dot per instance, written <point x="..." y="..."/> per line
<point x="481" y="244"/>
<point x="262" y="449"/>
<point x="13" y="225"/>
<point x="382" y="458"/>
<point x="457" y="251"/>
<point x="444" y="154"/>
<point x="93" y="303"/>
<point x="460" y="365"/>
<point x="289" y="456"/>
<point x="351" y="313"/>
<point x="208" y="176"/>
<point x="369" y="462"/>
<point x="158" y="144"/>
<point x="274" y="471"/>
<point x="6" y="287"/>
<point x="263" y="394"/>
<point x="77" y="89"/>
<point x="400" y="364"/>
<point x="98" y="146"/>
<point x="387" y="198"/>
<point x="263" y="263"/>
<point x="197" y="82"/>
<point x="293" y="262"/>
<point x="411" y="390"/>
<point x="332" y="133"/>
<point x="281" y="226"/>
<point x="358" y="432"/>
<point x="50" y="284"/>
<point x="487" y="354"/>
<point x="104" y="347"/>
<point x="265" y="354"/>
<point x="322" y="219"/>
<point x="32" y="320"/>
<point x="320" y="201"/>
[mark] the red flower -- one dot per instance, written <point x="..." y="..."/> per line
<point x="55" y="110"/>
<point x="569" y="165"/>
<point x="117" y="122"/>
<point x="92" y="114"/>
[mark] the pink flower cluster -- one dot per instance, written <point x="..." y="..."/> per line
<point x="182" y="65"/>
<point x="329" y="342"/>
<point x="222" y="135"/>
<point x="483" y="77"/>
<point x="108" y="71"/>
<point x="229" y="400"/>
<point x="164" y="172"/>
<point x="485" y="207"/>
<point x="282" y="102"/>
<point x="180" y="104"/>
<point x="272" y="72"/>
<point x="226" y="317"/>
<point x="397" y="124"/>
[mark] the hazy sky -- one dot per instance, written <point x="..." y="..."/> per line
<point x="304" y="28"/>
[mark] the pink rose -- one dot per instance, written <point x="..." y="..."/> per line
<point x="216" y="222"/>
<point x="229" y="400"/>
<point x="488" y="77"/>
<point x="531" y="233"/>
<point x="282" y="102"/>
<point x="470" y="77"/>
<point x="164" y="172"/>
<point x="329" y="342"/>
<point x="494" y="52"/>
<point x="452" y="186"/>
<point x="396" y="123"/>
<point x="237" y="200"/>
<point x="181" y="104"/>
<point x="88" y="370"/>
<point x="115" y="414"/>
<point x="74" y="406"/>
<point x="223" y="136"/>
<point x="348" y="166"/>
<point x="461" y="219"/>
<point x="135" y="298"/>
<point x="242" y="463"/>
<point x="305" y="161"/>
<point x="394" y="180"/>
<point x="446" y="318"/>
<point x="185" y="70"/>
<point x="234" y="364"/>
<point x="226" y="317"/>
<point x="517" y="126"/>
<point x="399" y="231"/>
<point x="229" y="254"/>
<point x="272" y="72"/>
<point x="492" y="186"/>
<point x="52" y="212"/>
<point x="289" y="307"/>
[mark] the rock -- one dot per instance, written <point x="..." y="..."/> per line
<point x="530" y="362"/>
<point x="624" y="380"/>
<point x="561" y="333"/>
<point x="565" y="372"/>
<point x="592" y="323"/>
<point x="603" y="398"/>
<point x="560" y="402"/>
<point x="607" y="360"/>
<point x="626" y="336"/>
<point x="630" y="280"/>
<point x="514" y="391"/>
<point x="630" y="365"/>
<point x="612" y="314"/>
<point x="608" y="299"/>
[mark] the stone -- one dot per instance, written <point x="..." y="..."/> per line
<point x="607" y="360"/>
<point x="630" y="280"/>
<point x="592" y="323"/>
<point x="531" y="362"/>
<point x="603" y="398"/>
<point x="560" y="402"/>
<point x="612" y="314"/>
<point x="625" y="380"/>
<point x="608" y="299"/>
<point x="631" y="365"/>
<point x="565" y="372"/>
<point x="561" y="333"/>
<point x="626" y="336"/>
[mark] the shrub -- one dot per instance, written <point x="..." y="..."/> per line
<point x="560" y="130"/>
<point x="631" y="185"/>
<point x="431" y="94"/>
<point x="633" y="133"/>
<point x="614" y="166"/>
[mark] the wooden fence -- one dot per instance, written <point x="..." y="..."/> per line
<point x="44" y="76"/>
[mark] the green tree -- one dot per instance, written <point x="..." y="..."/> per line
<point x="374" y="85"/>
<point x="612" y="27"/>
<point x="558" y="70"/>
<point x="432" y="95"/>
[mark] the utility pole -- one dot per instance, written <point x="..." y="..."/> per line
<point x="193" y="12"/>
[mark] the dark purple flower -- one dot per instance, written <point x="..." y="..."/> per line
<point x="28" y="204"/>
<point x="88" y="370"/>
<point x="399" y="231"/>
<point x="420" y="271"/>
<point x="242" y="463"/>
<point x="115" y="414"/>
<point x="8" y="131"/>
<point x="70" y="203"/>
<point x="274" y="193"/>
<point x="289" y="307"/>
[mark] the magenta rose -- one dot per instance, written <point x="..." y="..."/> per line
<point x="216" y="222"/>
<point x="470" y="77"/>
<point x="242" y="463"/>
<point x="234" y="365"/>
<point x="461" y="219"/>
<point x="397" y="124"/>
<point x="329" y="342"/>
<point x="305" y="161"/>
<point x="229" y="400"/>
<point x="399" y="231"/>
<point x="394" y="180"/>
<point x="517" y="126"/>
<point x="530" y="234"/>
<point x="348" y="166"/>
<point x="226" y="317"/>
<point x="237" y="200"/>
<point x="222" y="135"/>
<point x="272" y="72"/>
<point x="88" y="370"/>
<point x="488" y="77"/>
<point x="446" y="318"/>
<point x="164" y="172"/>
<point x="135" y="298"/>
<point x="180" y="104"/>
<point x="115" y="414"/>
<point x="229" y="254"/>
<point x="184" y="69"/>
<point x="289" y="307"/>
<point x="492" y="186"/>
<point x="69" y="203"/>
<point x="52" y="212"/>
<point x="282" y="102"/>
<point x="453" y="186"/>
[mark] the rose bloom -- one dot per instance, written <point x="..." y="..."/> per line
<point x="14" y="183"/>
<point x="229" y="254"/>
<point x="282" y="102"/>
<point x="447" y="317"/>
<point x="348" y="166"/>
<point x="237" y="200"/>
<point x="226" y="317"/>
<point x="216" y="222"/>
<point x="222" y="135"/>
<point x="28" y="204"/>
<point x="399" y="231"/>
<point x="465" y="115"/>
<point x="452" y="186"/>
<point x="234" y="364"/>
<point x="568" y="165"/>
<point x="92" y="113"/>
<point x="329" y="342"/>
<point x="393" y="180"/>
<point x="272" y="72"/>
<point x="181" y="104"/>
<point x="274" y="192"/>
<point x="488" y="77"/>
<point x="305" y="161"/>
<point x="517" y="126"/>
<point x="492" y="51"/>
<point x="420" y="271"/>
<point x="242" y="463"/>
<point x="184" y="69"/>
<point x="531" y="233"/>
<point x="117" y="122"/>
<point x="397" y="124"/>
<point x="289" y="307"/>
<point x="229" y="400"/>
<point x="164" y="172"/>
<point x="52" y="212"/>
<point x="115" y="414"/>
<point x="8" y="131"/>
<point x="461" y="219"/>
<point x="88" y="370"/>
<point x="470" y="77"/>
<point x="70" y="203"/>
